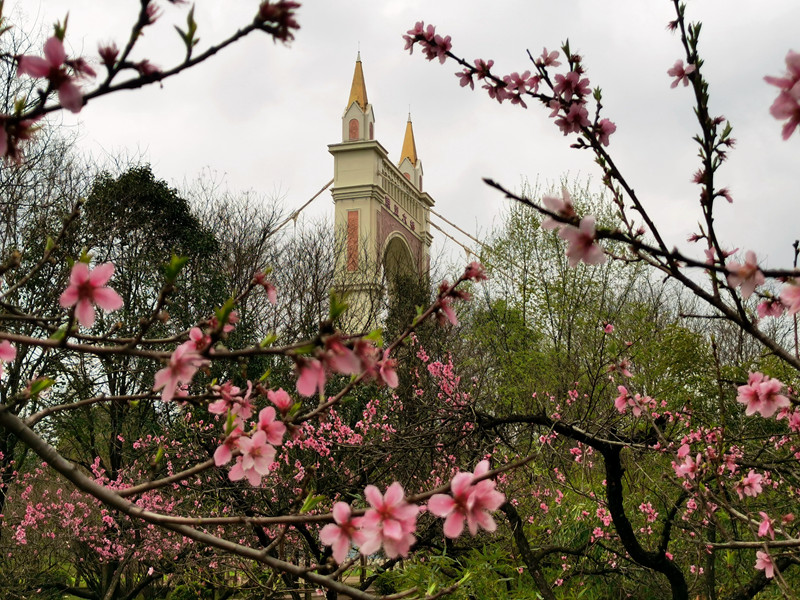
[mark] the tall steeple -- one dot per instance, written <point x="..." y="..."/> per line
<point x="409" y="147"/>
<point x="358" y="121"/>
<point x="410" y="165"/>
<point x="358" y="90"/>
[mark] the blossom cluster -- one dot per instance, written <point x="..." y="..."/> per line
<point x="390" y="522"/>
<point x="448" y="293"/>
<point x="581" y="240"/>
<point x="762" y="395"/>
<point x="351" y="358"/>
<point x="570" y="90"/>
<point x="787" y="104"/>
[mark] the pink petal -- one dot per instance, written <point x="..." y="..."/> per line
<point x="222" y="455"/>
<point x="70" y="96"/>
<point x="84" y="312"/>
<point x="394" y="494"/>
<point x="107" y="299"/>
<point x="236" y="473"/>
<point x="454" y="525"/>
<point x="79" y="273"/>
<point x="7" y="351"/>
<point x="101" y="274"/>
<point x="341" y="512"/>
<point x="392" y="530"/>
<point x="329" y="534"/>
<point x="371" y="543"/>
<point x="34" y="66"/>
<point x="461" y="483"/>
<point x="54" y="52"/>
<point x="69" y="296"/>
<point x="373" y="496"/>
<point x="253" y="477"/>
<point x="441" y="505"/>
<point x="340" y="548"/>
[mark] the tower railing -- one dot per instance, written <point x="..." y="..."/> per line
<point x="401" y="190"/>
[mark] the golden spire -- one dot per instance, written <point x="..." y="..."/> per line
<point x="358" y="91"/>
<point x="409" y="147"/>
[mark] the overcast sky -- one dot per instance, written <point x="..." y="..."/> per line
<point x="263" y="114"/>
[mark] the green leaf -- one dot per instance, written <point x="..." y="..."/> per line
<point x="159" y="455"/>
<point x="173" y="268"/>
<point x="49" y="245"/>
<point x="307" y="349"/>
<point x="230" y="423"/>
<point x="265" y="376"/>
<point x="40" y="385"/>
<point x="61" y="30"/>
<point x="311" y="502"/>
<point x="269" y="340"/>
<point x="338" y="306"/>
<point x="59" y="334"/>
<point x="375" y="336"/>
<point x="224" y="311"/>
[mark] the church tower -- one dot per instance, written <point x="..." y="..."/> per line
<point x="382" y="216"/>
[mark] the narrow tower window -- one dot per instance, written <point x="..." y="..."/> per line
<point x="352" y="239"/>
<point x="353" y="129"/>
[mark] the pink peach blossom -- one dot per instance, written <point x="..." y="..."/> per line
<point x="269" y="288"/>
<point x="53" y="67"/>
<point x="281" y="399"/>
<point x="387" y="373"/>
<point x="688" y="468"/>
<point x="790" y="297"/>
<point x="570" y="85"/>
<point x="680" y="73"/>
<point x="548" y="59"/>
<point x="475" y="272"/>
<point x="582" y="246"/>
<point x="787" y="104"/>
<point x="273" y="429"/>
<point x="604" y="130"/>
<point x="764" y="563"/>
<point x="256" y="459"/>
<point x="468" y="502"/>
<point x="573" y="119"/>
<point x="391" y="522"/>
<point x="7" y="354"/>
<point x="560" y="206"/>
<point x="747" y="275"/>
<point x="342" y="534"/>
<point x="310" y="376"/>
<point x="87" y="287"/>
<point x="766" y="526"/>
<point x="762" y="395"/>
<point x="770" y="308"/>
<point x="183" y="364"/>
<point x="339" y="358"/>
<point x="750" y="485"/>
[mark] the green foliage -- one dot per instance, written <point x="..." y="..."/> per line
<point x="487" y="572"/>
